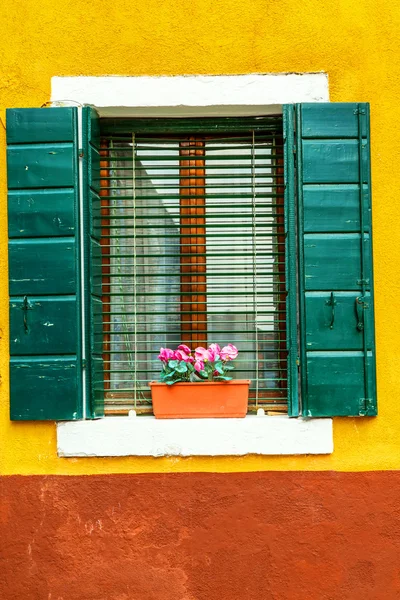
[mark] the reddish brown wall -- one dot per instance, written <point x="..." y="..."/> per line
<point x="254" y="536"/>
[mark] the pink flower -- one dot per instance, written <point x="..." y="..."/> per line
<point x="166" y="354"/>
<point x="214" y="350"/>
<point x="181" y="355"/>
<point x="184" y="348"/>
<point x="229" y="352"/>
<point x="199" y="365"/>
<point x="202" y="354"/>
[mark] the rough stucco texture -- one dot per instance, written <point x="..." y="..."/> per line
<point x="253" y="536"/>
<point x="355" y="42"/>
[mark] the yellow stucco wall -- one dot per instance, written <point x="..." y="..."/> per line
<point x="355" y="42"/>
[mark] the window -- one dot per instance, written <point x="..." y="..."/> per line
<point x="190" y="218"/>
<point x="70" y="256"/>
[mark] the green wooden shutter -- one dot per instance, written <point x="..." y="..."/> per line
<point x="44" y="274"/>
<point x="337" y="349"/>
<point x="93" y="262"/>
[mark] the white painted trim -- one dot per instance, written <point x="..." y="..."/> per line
<point x="222" y="95"/>
<point x="197" y="95"/>
<point x="147" y="436"/>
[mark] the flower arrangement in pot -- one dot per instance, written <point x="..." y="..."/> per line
<point x="199" y="384"/>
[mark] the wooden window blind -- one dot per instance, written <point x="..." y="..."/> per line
<point x="193" y="250"/>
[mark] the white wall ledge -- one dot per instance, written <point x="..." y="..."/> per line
<point x="191" y="95"/>
<point x="147" y="436"/>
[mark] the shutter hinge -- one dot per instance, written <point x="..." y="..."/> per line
<point x="361" y="300"/>
<point x="366" y="407"/>
<point x="83" y="363"/>
<point x="81" y="153"/>
<point x="359" y="111"/>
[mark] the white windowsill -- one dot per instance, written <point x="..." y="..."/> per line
<point x="147" y="436"/>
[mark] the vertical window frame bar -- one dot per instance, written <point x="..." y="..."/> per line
<point x="192" y="164"/>
<point x="291" y="258"/>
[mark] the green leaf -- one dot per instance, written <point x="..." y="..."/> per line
<point x="173" y="364"/>
<point x="177" y="380"/>
<point x="228" y="367"/>
<point x="169" y="375"/>
<point x="219" y="367"/>
<point x="181" y="368"/>
<point x="222" y="378"/>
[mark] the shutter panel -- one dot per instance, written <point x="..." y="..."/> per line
<point x="45" y="366"/>
<point x="337" y="349"/>
<point x="93" y="262"/>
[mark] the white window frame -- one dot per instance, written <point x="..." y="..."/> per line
<point x="200" y="96"/>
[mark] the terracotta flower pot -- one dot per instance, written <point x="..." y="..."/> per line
<point x="200" y="400"/>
